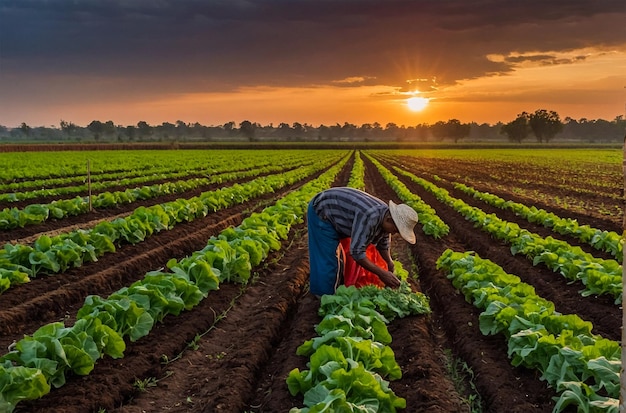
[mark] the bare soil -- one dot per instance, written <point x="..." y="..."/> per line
<point x="233" y="352"/>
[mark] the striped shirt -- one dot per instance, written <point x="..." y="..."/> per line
<point x="355" y="214"/>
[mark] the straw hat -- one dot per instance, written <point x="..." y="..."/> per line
<point x="405" y="219"/>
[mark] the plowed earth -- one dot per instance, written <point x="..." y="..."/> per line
<point x="233" y="352"/>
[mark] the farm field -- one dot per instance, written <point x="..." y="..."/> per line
<point x="233" y="351"/>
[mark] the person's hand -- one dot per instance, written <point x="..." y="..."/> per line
<point x="390" y="279"/>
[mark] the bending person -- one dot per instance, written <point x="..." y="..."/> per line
<point x="342" y="212"/>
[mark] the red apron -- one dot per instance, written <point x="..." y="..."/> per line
<point x="354" y="274"/>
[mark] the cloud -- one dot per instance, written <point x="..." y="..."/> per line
<point x="185" y="46"/>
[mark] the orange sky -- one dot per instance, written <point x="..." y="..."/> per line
<point x="316" y="62"/>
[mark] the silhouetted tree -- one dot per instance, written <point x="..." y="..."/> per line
<point x="25" y="129"/>
<point x="143" y="129"/>
<point x="545" y="125"/>
<point x="97" y="128"/>
<point x="130" y="132"/>
<point x="167" y="130"/>
<point x="181" y="129"/>
<point x="68" y="127"/>
<point x="247" y="129"/>
<point x="518" y="129"/>
<point x="391" y="130"/>
<point x="229" y="127"/>
<point x="298" y="129"/>
<point x="438" y="130"/>
<point x="457" y="130"/>
<point x="335" y="131"/>
<point x="453" y="128"/>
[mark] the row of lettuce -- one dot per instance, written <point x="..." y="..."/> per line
<point x="350" y="362"/>
<point x="583" y="368"/>
<point x="25" y="170"/>
<point x="13" y="217"/>
<point x="51" y="255"/>
<point x="43" y="360"/>
<point x="131" y="170"/>
<point x="603" y="240"/>
<point x="598" y="276"/>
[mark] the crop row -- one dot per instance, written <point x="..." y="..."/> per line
<point x="598" y="276"/>
<point x="42" y="360"/>
<point x="214" y="168"/>
<point x="204" y="165"/>
<point x="36" y="166"/>
<point x="38" y="213"/>
<point x="552" y="177"/>
<point x="582" y="367"/>
<point x="55" y="254"/>
<point x="430" y="222"/>
<point x="608" y="241"/>
<point x="351" y="361"/>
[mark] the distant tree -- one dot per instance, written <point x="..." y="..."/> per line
<point x="438" y="130"/>
<point x="545" y="125"/>
<point x="335" y="131"/>
<point x="25" y="129"/>
<point x="130" y="131"/>
<point x="518" y="129"/>
<point x="181" y="129"/>
<point x="348" y="130"/>
<point x="199" y="130"/>
<point x="365" y="131"/>
<point x="97" y="128"/>
<point x="453" y="128"/>
<point x="109" y="128"/>
<point x="485" y="131"/>
<point x="229" y="128"/>
<point x="418" y="133"/>
<point x="167" y="130"/>
<point x="68" y="127"/>
<point x="391" y="130"/>
<point x="143" y="129"/>
<point x="284" y="130"/>
<point x="247" y="129"/>
<point x="457" y="130"/>
<point x="377" y="130"/>
<point x="298" y="129"/>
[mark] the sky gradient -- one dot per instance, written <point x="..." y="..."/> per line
<point x="309" y="61"/>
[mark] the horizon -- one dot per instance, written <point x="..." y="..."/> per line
<point x="273" y="125"/>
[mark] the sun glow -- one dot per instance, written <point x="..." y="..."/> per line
<point x="417" y="103"/>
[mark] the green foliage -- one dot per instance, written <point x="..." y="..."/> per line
<point x="350" y="358"/>
<point x="20" y="383"/>
<point x="582" y="367"/>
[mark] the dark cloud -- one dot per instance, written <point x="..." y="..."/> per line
<point x="223" y="44"/>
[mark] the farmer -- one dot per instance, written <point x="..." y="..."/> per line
<point x="339" y="213"/>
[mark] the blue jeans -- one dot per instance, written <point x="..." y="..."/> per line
<point x="324" y="258"/>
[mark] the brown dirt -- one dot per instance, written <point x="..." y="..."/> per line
<point x="233" y="352"/>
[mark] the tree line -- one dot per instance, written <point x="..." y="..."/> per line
<point x="542" y="125"/>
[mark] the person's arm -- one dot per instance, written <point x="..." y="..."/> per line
<point x="385" y="276"/>
<point x="386" y="254"/>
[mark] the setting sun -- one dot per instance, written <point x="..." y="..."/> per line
<point x="417" y="103"/>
